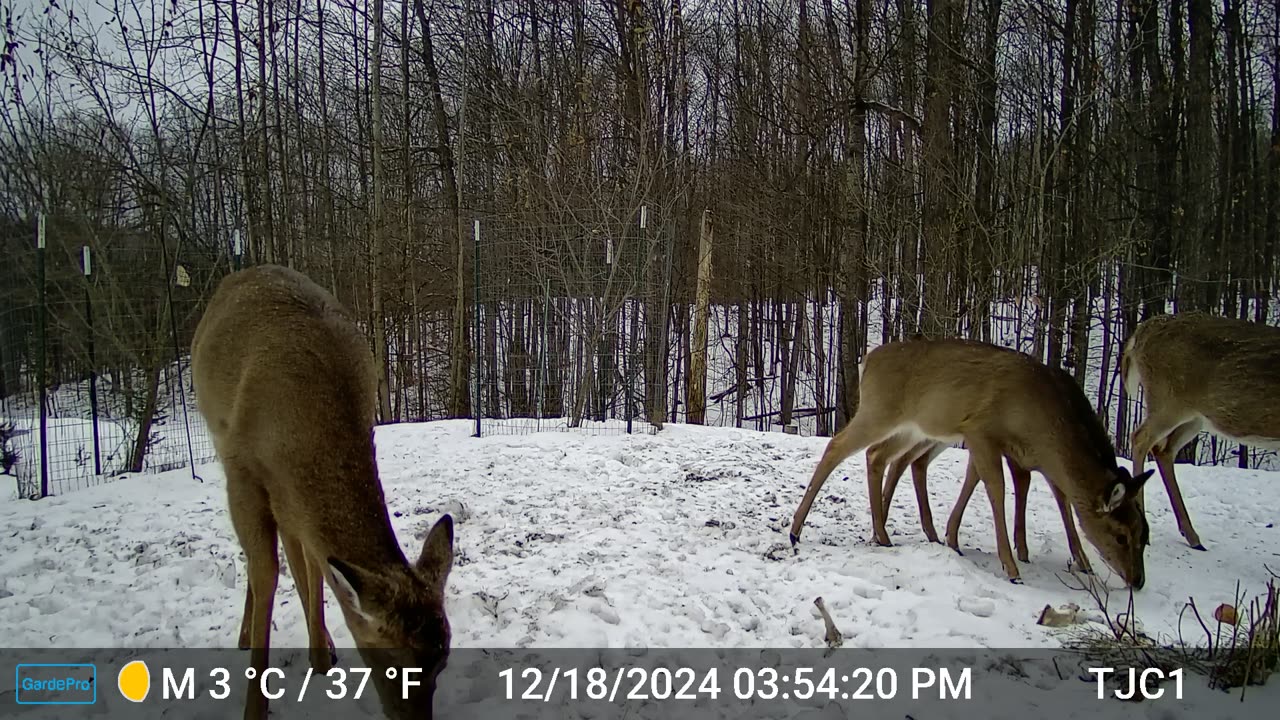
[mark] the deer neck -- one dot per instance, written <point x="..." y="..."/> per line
<point x="356" y="518"/>
<point x="1080" y="475"/>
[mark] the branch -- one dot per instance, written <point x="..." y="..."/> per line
<point x="862" y="105"/>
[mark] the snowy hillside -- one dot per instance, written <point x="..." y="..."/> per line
<point x="672" y="540"/>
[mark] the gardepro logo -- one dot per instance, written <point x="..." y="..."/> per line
<point x="57" y="684"/>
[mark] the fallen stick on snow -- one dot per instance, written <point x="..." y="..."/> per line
<point x="834" y="638"/>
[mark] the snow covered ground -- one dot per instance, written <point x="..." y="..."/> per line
<point x="674" y="540"/>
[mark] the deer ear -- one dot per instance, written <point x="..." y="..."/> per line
<point x="436" y="559"/>
<point x="1113" y="497"/>
<point x="1136" y="483"/>
<point x="348" y="583"/>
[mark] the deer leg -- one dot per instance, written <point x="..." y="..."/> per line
<point x="1165" y="453"/>
<point x="862" y="431"/>
<point x="962" y="501"/>
<point x="904" y="452"/>
<point x="317" y="588"/>
<point x="256" y="529"/>
<point x="320" y="643"/>
<point x="917" y="457"/>
<point x="246" y="619"/>
<point x="1021" y="488"/>
<point x="919" y="478"/>
<point x="891" y="478"/>
<point x="1153" y="430"/>
<point x="875" y="472"/>
<point x="987" y="458"/>
<point x="1073" y="538"/>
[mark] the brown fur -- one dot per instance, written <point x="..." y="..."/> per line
<point x="1000" y="402"/>
<point x="1201" y="372"/>
<point x="286" y="382"/>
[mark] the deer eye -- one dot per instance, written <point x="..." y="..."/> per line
<point x="1123" y="540"/>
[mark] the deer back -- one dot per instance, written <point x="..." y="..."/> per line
<point x="287" y="384"/>
<point x="1219" y="368"/>
<point x="952" y="388"/>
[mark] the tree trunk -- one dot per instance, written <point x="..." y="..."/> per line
<point x="696" y="398"/>
<point x="460" y="368"/>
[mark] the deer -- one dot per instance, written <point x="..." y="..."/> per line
<point x="998" y="401"/>
<point x="921" y="454"/>
<point x="287" y="384"/>
<point x="1200" y="372"/>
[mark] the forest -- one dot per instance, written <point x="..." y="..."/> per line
<point x="700" y="212"/>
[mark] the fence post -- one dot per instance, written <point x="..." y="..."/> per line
<point x="475" y="302"/>
<point x="631" y="341"/>
<point x="544" y="350"/>
<point x="93" y="364"/>
<point x="41" y="380"/>
<point x="237" y="250"/>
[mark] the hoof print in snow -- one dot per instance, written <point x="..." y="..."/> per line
<point x="776" y="552"/>
<point x="534" y="537"/>
<point x="458" y="509"/>
<point x="490" y="602"/>
<point x="836" y="499"/>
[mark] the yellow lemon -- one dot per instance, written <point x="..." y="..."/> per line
<point x="135" y="681"/>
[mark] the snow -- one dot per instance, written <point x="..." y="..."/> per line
<point x="672" y="540"/>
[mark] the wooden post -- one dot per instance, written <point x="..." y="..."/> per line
<point x="696" y="390"/>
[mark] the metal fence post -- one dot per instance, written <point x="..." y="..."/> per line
<point x="544" y="351"/>
<point x="41" y="380"/>
<point x="475" y="302"/>
<point x="93" y="365"/>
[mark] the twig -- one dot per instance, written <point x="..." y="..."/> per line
<point x="1191" y="602"/>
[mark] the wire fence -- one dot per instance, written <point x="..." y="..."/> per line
<point x="569" y="323"/>
<point x="572" y="322"/>
<point x="94" y="379"/>
<point x="565" y="324"/>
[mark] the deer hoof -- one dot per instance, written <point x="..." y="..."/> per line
<point x="794" y="539"/>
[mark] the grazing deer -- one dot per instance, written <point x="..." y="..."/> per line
<point x="1201" y="372"/>
<point x="999" y="402"/>
<point x="920" y="455"/>
<point x="287" y="385"/>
